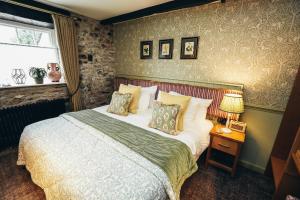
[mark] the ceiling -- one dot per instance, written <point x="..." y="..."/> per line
<point x="102" y="9"/>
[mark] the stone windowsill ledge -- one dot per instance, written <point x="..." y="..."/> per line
<point x="35" y="85"/>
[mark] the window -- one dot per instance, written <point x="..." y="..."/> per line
<point x="24" y="46"/>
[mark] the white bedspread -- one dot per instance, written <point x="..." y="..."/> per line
<point x="195" y="136"/>
<point x="71" y="160"/>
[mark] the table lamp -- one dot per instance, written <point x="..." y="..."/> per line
<point x="231" y="103"/>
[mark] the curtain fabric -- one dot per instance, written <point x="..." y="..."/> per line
<point x="67" y="41"/>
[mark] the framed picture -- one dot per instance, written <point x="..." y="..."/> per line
<point x="146" y="49"/>
<point x="237" y="126"/>
<point x="166" y="49"/>
<point x="189" y="48"/>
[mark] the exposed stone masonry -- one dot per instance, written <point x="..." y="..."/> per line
<point x="96" y="58"/>
<point x="15" y="96"/>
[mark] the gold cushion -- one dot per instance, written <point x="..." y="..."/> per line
<point x="136" y="92"/>
<point x="183" y="101"/>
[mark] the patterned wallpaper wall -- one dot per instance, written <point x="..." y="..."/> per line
<point x="253" y="42"/>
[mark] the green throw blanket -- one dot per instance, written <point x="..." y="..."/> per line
<point x="172" y="156"/>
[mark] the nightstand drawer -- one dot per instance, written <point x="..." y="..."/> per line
<point x="224" y="145"/>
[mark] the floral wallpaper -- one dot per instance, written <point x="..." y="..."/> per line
<point x="253" y="42"/>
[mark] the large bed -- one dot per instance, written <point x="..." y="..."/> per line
<point x="72" y="157"/>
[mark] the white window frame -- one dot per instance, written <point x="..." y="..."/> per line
<point x="51" y="32"/>
<point x="31" y="27"/>
<point x="53" y="41"/>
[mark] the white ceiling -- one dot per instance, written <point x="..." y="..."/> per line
<point x="103" y="9"/>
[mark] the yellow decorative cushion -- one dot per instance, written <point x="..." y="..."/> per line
<point x="183" y="101"/>
<point x="136" y="92"/>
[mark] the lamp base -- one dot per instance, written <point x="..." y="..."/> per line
<point x="225" y="130"/>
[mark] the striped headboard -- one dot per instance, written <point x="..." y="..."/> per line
<point x="191" y="90"/>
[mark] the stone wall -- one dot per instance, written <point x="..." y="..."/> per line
<point x="15" y="96"/>
<point x="96" y="59"/>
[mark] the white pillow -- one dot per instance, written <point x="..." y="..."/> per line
<point x="158" y="96"/>
<point x="202" y="109"/>
<point x="147" y="97"/>
<point x="196" y="109"/>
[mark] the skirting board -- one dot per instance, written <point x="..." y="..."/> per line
<point x="252" y="166"/>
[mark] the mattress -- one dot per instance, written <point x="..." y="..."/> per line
<point x="71" y="160"/>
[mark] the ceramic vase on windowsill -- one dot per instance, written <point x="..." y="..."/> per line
<point x="38" y="74"/>
<point x="54" y="73"/>
<point x="18" y="75"/>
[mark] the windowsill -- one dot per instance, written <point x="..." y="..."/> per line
<point x="34" y="85"/>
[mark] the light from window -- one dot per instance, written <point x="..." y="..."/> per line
<point x="24" y="46"/>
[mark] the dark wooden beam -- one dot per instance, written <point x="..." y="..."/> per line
<point x="43" y="6"/>
<point x="165" y="7"/>
<point x="20" y="11"/>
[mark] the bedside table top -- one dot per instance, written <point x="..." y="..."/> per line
<point x="234" y="135"/>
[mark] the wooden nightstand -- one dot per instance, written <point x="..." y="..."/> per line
<point x="227" y="143"/>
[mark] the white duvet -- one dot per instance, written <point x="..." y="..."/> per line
<point x="71" y="160"/>
<point x="195" y="136"/>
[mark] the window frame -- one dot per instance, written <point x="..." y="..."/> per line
<point x="31" y="27"/>
<point x="53" y="41"/>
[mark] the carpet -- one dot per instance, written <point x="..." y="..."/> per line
<point x="205" y="184"/>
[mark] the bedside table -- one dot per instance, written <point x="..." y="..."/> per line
<point x="229" y="143"/>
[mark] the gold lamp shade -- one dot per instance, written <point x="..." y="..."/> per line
<point x="232" y="103"/>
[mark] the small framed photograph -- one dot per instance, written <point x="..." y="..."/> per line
<point x="146" y="49"/>
<point x="237" y="126"/>
<point x="189" y="48"/>
<point x="166" y="49"/>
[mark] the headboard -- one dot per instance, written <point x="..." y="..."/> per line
<point x="191" y="90"/>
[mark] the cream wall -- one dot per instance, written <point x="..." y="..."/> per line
<point x="252" y="42"/>
<point x="262" y="127"/>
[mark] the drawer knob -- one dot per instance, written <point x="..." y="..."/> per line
<point x="224" y="145"/>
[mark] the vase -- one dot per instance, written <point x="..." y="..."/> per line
<point x="39" y="80"/>
<point x="18" y="75"/>
<point x="54" y="73"/>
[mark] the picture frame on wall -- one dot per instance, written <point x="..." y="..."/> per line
<point x="146" y="48"/>
<point x="189" y="48"/>
<point x="166" y="49"/>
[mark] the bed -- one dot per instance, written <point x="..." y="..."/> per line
<point x="70" y="157"/>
